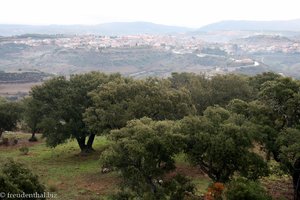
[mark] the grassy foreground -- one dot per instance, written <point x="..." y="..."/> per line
<point x="72" y="176"/>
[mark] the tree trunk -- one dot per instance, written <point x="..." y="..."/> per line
<point x="296" y="179"/>
<point x="86" y="148"/>
<point x="81" y="143"/>
<point x="276" y="156"/>
<point x="33" y="138"/>
<point x="90" y="142"/>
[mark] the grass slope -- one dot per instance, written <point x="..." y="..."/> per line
<point x="76" y="177"/>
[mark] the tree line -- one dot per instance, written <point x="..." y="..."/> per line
<point x="216" y="121"/>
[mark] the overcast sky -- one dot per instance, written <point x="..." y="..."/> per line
<point x="190" y="13"/>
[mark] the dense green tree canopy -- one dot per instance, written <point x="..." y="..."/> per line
<point x="117" y="102"/>
<point x="32" y="115"/>
<point x="219" y="143"/>
<point x="62" y="103"/>
<point x="267" y="123"/>
<point x="217" y="121"/>
<point x="10" y="114"/>
<point x="144" y="152"/>
<point x="216" y="90"/>
<point x="283" y="96"/>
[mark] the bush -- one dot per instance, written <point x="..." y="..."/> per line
<point x="245" y="189"/>
<point x="16" y="178"/>
<point x="179" y="187"/>
<point x="7" y="185"/>
<point x="15" y="141"/>
<point x="5" y="141"/>
<point x="24" y="150"/>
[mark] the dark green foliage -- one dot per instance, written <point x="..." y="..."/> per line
<point x="227" y="87"/>
<point x="178" y="187"/>
<point x="267" y="125"/>
<point x="144" y="152"/>
<point x="218" y="90"/>
<point x="32" y="115"/>
<point x="6" y="185"/>
<point x="122" y="100"/>
<point x="61" y="104"/>
<point x="289" y="143"/>
<point x="236" y="114"/>
<point x="10" y="114"/>
<point x="243" y="189"/>
<point x="257" y="81"/>
<point x="219" y="143"/>
<point x="283" y="96"/>
<point x="15" y="178"/>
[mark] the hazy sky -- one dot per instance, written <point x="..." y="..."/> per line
<point x="191" y="13"/>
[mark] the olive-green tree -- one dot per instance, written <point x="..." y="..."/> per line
<point x="120" y="101"/>
<point x="143" y="152"/>
<point x="268" y="124"/>
<point x="214" y="90"/>
<point x="62" y="102"/>
<point x="220" y="143"/>
<point x="32" y="115"/>
<point x="10" y="114"/>
<point x="282" y="95"/>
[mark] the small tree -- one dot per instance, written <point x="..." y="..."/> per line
<point x="10" y="113"/>
<point x="289" y="143"/>
<point x="144" y="152"/>
<point x="32" y="115"/>
<point x="219" y="142"/>
<point x="268" y="124"/>
<point x="61" y="104"/>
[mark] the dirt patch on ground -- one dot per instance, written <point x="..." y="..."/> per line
<point x="98" y="185"/>
<point x="187" y="170"/>
<point x="280" y="189"/>
<point x="15" y="88"/>
<point x="21" y="143"/>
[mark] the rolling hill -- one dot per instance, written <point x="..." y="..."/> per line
<point x="242" y="25"/>
<point x="115" y="28"/>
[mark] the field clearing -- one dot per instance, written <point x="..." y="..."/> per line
<point x="13" y="88"/>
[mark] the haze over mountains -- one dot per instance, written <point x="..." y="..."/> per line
<point x="130" y="28"/>
<point x="114" y="28"/>
<point x="241" y="25"/>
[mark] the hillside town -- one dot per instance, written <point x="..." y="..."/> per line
<point x="180" y="44"/>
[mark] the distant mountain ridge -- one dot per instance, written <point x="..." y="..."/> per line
<point x="134" y="28"/>
<point x="243" y="25"/>
<point x="114" y="28"/>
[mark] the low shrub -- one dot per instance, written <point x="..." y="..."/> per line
<point x="24" y="150"/>
<point x="17" y="179"/>
<point x="245" y="189"/>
